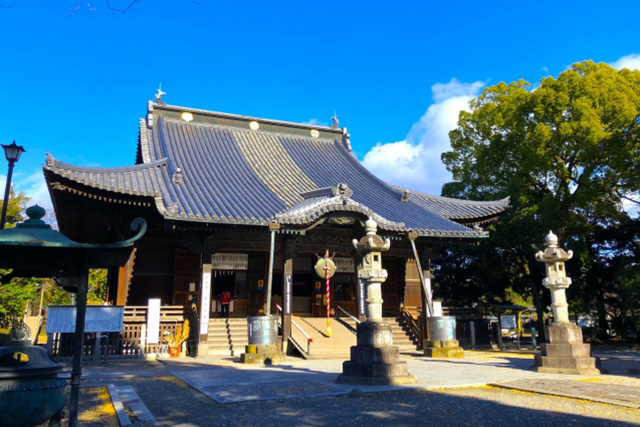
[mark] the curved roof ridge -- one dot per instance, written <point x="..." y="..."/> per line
<point x="244" y="117"/>
<point x="329" y="140"/>
<point x="504" y="201"/>
<point x="311" y="209"/>
<point x="137" y="180"/>
<point x="55" y="163"/>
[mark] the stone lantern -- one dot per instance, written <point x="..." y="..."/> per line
<point x="374" y="361"/>
<point x="565" y="352"/>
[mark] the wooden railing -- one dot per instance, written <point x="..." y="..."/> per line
<point x="414" y="327"/>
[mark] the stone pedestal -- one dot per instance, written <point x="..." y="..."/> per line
<point x="445" y="348"/>
<point x="269" y="354"/>
<point x="565" y="353"/>
<point x="374" y="361"/>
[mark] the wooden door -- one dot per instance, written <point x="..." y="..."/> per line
<point x="187" y="274"/>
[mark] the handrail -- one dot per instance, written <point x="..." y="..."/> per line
<point x="413" y="325"/>
<point x="293" y="322"/>
<point x="348" y="314"/>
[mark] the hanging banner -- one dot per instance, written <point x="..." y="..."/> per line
<point x="344" y="265"/>
<point x="230" y="262"/>
<point x="206" y="300"/>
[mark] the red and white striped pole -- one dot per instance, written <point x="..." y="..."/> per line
<point x="326" y="275"/>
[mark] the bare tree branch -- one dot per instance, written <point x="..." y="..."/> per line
<point x="123" y="11"/>
<point x="629" y="199"/>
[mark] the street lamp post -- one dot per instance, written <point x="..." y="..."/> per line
<point x="12" y="153"/>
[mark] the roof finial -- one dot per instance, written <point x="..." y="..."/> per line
<point x="159" y="100"/>
<point x="335" y="120"/>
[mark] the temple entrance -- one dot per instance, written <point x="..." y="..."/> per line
<point x="344" y="292"/>
<point x="236" y="283"/>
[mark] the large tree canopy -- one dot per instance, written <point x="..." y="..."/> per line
<point x="567" y="153"/>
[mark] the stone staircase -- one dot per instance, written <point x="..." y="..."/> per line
<point x="227" y="337"/>
<point x="401" y="338"/>
<point x="343" y="337"/>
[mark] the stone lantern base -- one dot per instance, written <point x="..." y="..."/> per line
<point x="445" y="349"/>
<point x="269" y="354"/>
<point x="565" y="353"/>
<point x="374" y="361"/>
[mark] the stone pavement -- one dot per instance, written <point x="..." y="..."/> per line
<point x="596" y="390"/>
<point x="226" y="382"/>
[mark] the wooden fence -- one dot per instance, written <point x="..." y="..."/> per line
<point x="130" y="342"/>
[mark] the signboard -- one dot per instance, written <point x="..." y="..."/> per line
<point x="230" y="262"/>
<point x="261" y="285"/>
<point x="362" y="308"/>
<point x="344" y="265"/>
<point x="153" y="321"/>
<point x="508" y="321"/>
<point x="287" y="294"/>
<point x="205" y="303"/>
<point x="437" y="309"/>
<point x="99" y="318"/>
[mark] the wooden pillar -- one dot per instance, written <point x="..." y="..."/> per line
<point x="287" y="297"/>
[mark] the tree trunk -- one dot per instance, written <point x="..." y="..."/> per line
<point x="537" y="300"/>
<point x="603" y="324"/>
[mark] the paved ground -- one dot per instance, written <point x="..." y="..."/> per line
<point x="450" y="392"/>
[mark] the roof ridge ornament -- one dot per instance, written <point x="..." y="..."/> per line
<point x="346" y="142"/>
<point x="173" y="210"/>
<point x="342" y="190"/>
<point x="159" y="94"/>
<point x="335" y="123"/>
<point x="177" y="177"/>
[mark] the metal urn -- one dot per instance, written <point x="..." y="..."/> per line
<point x="30" y="391"/>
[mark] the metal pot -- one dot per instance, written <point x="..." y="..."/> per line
<point x="30" y="390"/>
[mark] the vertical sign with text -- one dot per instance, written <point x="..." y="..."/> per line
<point x="362" y="308"/>
<point x="206" y="301"/>
<point x="287" y="293"/>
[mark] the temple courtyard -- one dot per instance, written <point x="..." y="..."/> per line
<point x="483" y="388"/>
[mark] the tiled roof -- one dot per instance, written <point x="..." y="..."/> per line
<point x="138" y="180"/>
<point x="456" y="209"/>
<point x="223" y="168"/>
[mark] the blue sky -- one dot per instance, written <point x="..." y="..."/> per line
<point x="75" y="77"/>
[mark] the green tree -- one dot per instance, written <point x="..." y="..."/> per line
<point x="15" y="295"/>
<point x="567" y="154"/>
<point x="97" y="292"/>
<point x="15" y="209"/>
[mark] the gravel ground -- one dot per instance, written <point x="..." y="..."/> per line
<point x="174" y="403"/>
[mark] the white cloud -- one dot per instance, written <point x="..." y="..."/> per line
<point x="632" y="62"/>
<point x="415" y="162"/>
